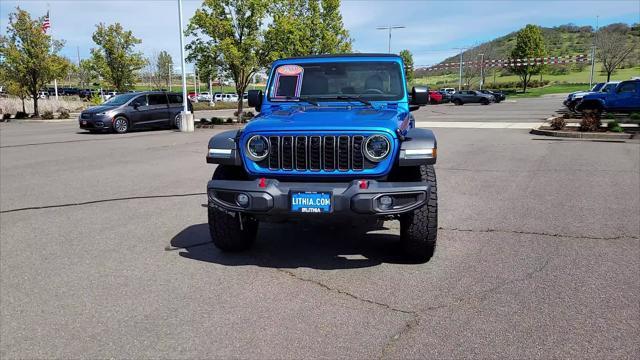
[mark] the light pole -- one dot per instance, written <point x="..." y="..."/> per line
<point x="593" y="53"/>
<point x="481" y="70"/>
<point x="389" y="28"/>
<point x="186" y="120"/>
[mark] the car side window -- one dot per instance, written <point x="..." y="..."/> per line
<point x="157" y="99"/>
<point x="627" y="88"/>
<point x="175" y="99"/>
<point x="140" y="101"/>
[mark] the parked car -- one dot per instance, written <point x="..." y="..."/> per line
<point x="128" y="111"/>
<point x="230" y="97"/>
<point x="575" y="97"/>
<point x="470" y="97"/>
<point x="192" y="96"/>
<point x="498" y="96"/>
<point x="446" y="97"/>
<point x="352" y="161"/>
<point x="625" y="97"/>
<point x="205" y="96"/>
<point x="449" y="91"/>
<point x="435" y="97"/>
<point x="43" y="95"/>
<point x="218" y="96"/>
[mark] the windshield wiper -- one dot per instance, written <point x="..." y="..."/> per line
<point x="347" y="97"/>
<point x="307" y="99"/>
<point x="302" y="98"/>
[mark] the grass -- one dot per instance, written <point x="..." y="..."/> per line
<point x="578" y="77"/>
<point x="220" y="105"/>
<point x="551" y="89"/>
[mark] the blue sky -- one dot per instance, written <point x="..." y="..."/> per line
<point x="433" y="28"/>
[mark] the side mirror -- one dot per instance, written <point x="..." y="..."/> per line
<point x="414" y="107"/>
<point x="254" y="98"/>
<point x="419" y="95"/>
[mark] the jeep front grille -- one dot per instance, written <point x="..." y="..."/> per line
<point x="316" y="153"/>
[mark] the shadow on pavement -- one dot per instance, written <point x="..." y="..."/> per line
<point x="297" y="245"/>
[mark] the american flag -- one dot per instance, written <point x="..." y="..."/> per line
<point x="46" y="24"/>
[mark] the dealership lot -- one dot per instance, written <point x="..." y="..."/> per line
<point x="105" y="253"/>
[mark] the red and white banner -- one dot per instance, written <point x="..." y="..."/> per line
<point x="552" y="60"/>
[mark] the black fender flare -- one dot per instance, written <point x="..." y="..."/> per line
<point x="422" y="148"/>
<point x="223" y="148"/>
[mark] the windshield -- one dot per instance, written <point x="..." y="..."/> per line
<point x="608" y="87"/>
<point x="597" y="87"/>
<point x="368" y="81"/>
<point x="120" y="99"/>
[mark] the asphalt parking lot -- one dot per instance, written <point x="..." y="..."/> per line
<point x="105" y="252"/>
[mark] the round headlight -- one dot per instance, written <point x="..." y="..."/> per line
<point x="257" y="148"/>
<point x="376" y="148"/>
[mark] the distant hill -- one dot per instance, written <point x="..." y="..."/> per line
<point x="563" y="40"/>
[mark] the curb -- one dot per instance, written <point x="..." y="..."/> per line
<point x="232" y="126"/>
<point x="581" y="135"/>
<point x="43" y="121"/>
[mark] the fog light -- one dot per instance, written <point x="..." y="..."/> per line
<point x="242" y="200"/>
<point x="385" y="202"/>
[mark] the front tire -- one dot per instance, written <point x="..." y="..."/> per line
<point x="457" y="102"/>
<point x="230" y="231"/>
<point x="176" y="121"/>
<point x="120" y="125"/>
<point x="485" y="102"/>
<point x="419" y="228"/>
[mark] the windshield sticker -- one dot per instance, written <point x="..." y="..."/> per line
<point x="288" y="82"/>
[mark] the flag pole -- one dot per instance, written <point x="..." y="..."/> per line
<point x="186" y="122"/>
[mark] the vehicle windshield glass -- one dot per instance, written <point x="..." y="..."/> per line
<point x="369" y="81"/>
<point x="608" y="87"/>
<point x="597" y="87"/>
<point x="120" y="99"/>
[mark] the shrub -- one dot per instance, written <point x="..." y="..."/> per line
<point x="614" y="126"/>
<point x="21" y="115"/>
<point x="229" y="120"/>
<point x="96" y="99"/>
<point x="217" y="121"/>
<point x="47" y="115"/>
<point x="590" y="122"/>
<point x="635" y="116"/>
<point x="609" y="116"/>
<point x="204" y="121"/>
<point x="63" y="113"/>
<point x="6" y="116"/>
<point x="558" y="123"/>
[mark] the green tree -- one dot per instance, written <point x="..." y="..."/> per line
<point x="164" y="65"/>
<point x="30" y="57"/>
<point x="206" y="58"/>
<point x="233" y="29"/>
<point x="86" y="73"/>
<point x="306" y="27"/>
<point x="407" y="58"/>
<point x="529" y="44"/>
<point x="115" y="58"/>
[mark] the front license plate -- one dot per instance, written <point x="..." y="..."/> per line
<point x="311" y="202"/>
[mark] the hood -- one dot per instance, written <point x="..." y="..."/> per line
<point x="579" y="94"/>
<point x="328" y="119"/>
<point x="99" y="109"/>
<point x="595" y="95"/>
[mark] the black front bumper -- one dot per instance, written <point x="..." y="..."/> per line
<point x="350" y="199"/>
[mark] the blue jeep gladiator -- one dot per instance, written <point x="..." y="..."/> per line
<point x="625" y="97"/>
<point x="334" y="140"/>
